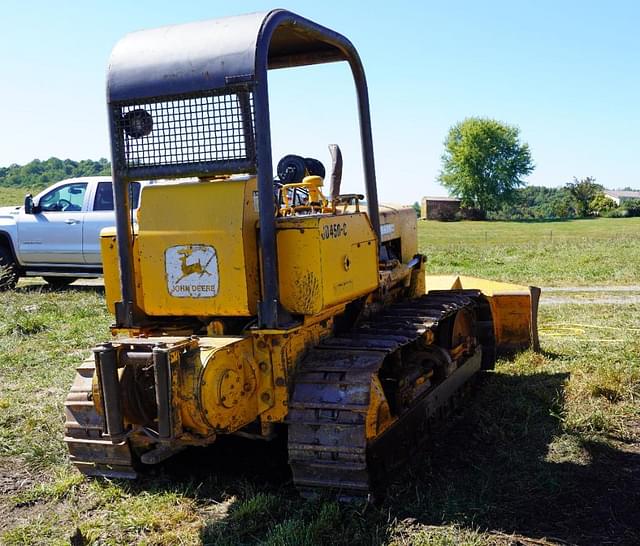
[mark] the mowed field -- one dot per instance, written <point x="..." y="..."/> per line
<point x="603" y="251"/>
<point x="547" y="450"/>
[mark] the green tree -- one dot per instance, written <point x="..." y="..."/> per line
<point x="484" y="162"/>
<point x="601" y="203"/>
<point x="537" y="202"/>
<point x="38" y="174"/>
<point x="561" y="206"/>
<point x="631" y="206"/>
<point x="583" y="191"/>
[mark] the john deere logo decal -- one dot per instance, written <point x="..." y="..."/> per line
<point x="192" y="271"/>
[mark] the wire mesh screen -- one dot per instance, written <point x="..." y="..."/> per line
<point x="215" y="128"/>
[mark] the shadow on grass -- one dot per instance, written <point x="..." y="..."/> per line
<point x="507" y="467"/>
<point x="503" y="466"/>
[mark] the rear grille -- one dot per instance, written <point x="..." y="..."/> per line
<point x="215" y="128"/>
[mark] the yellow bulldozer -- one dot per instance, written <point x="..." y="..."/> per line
<point x="252" y="304"/>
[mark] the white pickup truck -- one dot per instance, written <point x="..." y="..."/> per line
<point x="56" y="234"/>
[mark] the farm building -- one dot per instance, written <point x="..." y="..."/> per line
<point x="621" y="196"/>
<point x="439" y="208"/>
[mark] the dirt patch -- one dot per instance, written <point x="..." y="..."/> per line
<point x="602" y="300"/>
<point x="609" y="288"/>
<point x="14" y="478"/>
<point x="590" y="295"/>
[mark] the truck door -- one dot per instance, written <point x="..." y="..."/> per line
<point x="101" y="215"/>
<point x="53" y="235"/>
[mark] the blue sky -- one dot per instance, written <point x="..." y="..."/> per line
<point x="565" y="72"/>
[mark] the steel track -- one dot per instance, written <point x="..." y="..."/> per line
<point x="328" y="448"/>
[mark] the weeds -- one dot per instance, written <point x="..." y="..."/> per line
<point x="547" y="447"/>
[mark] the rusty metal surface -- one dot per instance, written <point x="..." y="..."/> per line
<point x="135" y="386"/>
<point x="328" y="448"/>
<point x="107" y="369"/>
<point x="89" y="451"/>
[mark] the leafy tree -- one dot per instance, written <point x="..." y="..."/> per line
<point x="631" y="206"/>
<point x="484" y="162"/>
<point x="37" y="174"/>
<point x="583" y="191"/>
<point x="562" y="206"/>
<point x="416" y="207"/>
<point x="537" y="203"/>
<point x="601" y="203"/>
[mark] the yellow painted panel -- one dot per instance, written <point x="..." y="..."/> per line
<point x="109" y="251"/>
<point x="325" y="260"/>
<point x="512" y="320"/>
<point x="229" y="384"/>
<point x="514" y="307"/>
<point x="111" y="267"/>
<point x="400" y="222"/>
<point x="397" y="222"/>
<point x="197" y="249"/>
<point x="488" y="287"/>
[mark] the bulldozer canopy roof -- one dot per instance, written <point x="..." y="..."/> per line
<point x="214" y="54"/>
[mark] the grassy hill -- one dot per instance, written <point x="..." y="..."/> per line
<point x="18" y="180"/>
<point x="13" y="196"/>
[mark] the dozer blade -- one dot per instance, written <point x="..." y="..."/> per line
<point x="514" y="308"/>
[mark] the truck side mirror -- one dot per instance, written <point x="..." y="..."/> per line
<point x="28" y="204"/>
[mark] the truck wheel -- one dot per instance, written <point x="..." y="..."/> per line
<point x="8" y="270"/>
<point x="59" y="282"/>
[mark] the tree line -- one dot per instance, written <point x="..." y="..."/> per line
<point x="484" y="163"/>
<point x="578" y="199"/>
<point x="37" y="174"/>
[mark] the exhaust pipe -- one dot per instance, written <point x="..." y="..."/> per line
<point x="336" y="170"/>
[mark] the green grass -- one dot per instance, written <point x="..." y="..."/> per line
<point x="548" y="439"/>
<point x="571" y="252"/>
<point x="44" y="335"/>
<point x="548" y="448"/>
<point x="13" y="196"/>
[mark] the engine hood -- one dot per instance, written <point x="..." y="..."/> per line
<point x="9" y="212"/>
